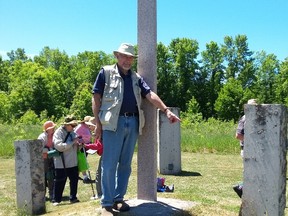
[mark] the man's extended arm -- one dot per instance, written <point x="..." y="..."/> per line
<point x="157" y="102"/>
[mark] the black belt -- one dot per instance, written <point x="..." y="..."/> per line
<point x="128" y="114"/>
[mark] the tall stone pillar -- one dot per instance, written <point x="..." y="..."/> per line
<point x="265" y="143"/>
<point x="147" y="63"/>
<point x="30" y="178"/>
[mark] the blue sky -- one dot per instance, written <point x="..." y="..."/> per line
<point x="75" y="26"/>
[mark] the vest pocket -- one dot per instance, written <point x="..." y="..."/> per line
<point x="105" y="116"/>
<point x="142" y="119"/>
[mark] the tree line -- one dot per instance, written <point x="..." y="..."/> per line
<point x="215" y="83"/>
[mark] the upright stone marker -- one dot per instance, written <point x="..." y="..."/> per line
<point x="169" y="148"/>
<point x="147" y="147"/>
<point x="264" y="189"/>
<point x="30" y="179"/>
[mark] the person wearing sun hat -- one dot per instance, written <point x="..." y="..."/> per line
<point x="117" y="107"/>
<point x="125" y="49"/>
<point x="47" y="140"/>
<point x="66" y="142"/>
<point x="83" y="131"/>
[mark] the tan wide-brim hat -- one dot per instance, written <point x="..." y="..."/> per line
<point x="86" y="119"/>
<point x="126" y="49"/>
<point x="70" y="120"/>
<point x="91" y="122"/>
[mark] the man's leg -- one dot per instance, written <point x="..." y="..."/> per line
<point x="124" y="166"/>
<point x="112" y="145"/>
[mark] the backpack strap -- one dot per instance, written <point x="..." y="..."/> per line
<point x="61" y="154"/>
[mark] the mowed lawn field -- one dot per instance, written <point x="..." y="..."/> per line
<point x="206" y="179"/>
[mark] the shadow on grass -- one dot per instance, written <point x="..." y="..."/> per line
<point x="188" y="173"/>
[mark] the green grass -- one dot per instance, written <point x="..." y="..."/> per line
<point x="210" y="137"/>
<point x="206" y="179"/>
<point x="10" y="133"/>
<point x="210" y="159"/>
<point x="206" y="137"/>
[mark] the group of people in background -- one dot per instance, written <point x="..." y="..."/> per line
<point x="70" y="140"/>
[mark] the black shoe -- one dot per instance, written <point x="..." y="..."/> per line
<point x="121" y="206"/>
<point x="169" y="188"/>
<point x="79" y="178"/>
<point x="74" y="201"/>
<point x="107" y="211"/>
<point x="88" y="181"/>
<point x="238" y="190"/>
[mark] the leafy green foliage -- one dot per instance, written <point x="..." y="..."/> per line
<point x="82" y="102"/>
<point x="54" y="84"/>
<point x="29" y="117"/>
<point x="227" y="103"/>
<point x="192" y="115"/>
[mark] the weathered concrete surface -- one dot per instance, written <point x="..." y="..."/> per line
<point x="162" y="207"/>
<point x="30" y="178"/>
<point x="265" y="162"/>
<point x="169" y="148"/>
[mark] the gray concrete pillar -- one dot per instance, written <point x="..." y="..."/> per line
<point x="147" y="63"/>
<point x="169" y="148"/>
<point x="30" y="179"/>
<point x="265" y="143"/>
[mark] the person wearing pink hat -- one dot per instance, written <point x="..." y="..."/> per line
<point x="47" y="139"/>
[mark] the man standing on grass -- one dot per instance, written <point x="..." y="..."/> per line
<point x="117" y="97"/>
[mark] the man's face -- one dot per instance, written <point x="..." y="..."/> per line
<point x="124" y="62"/>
